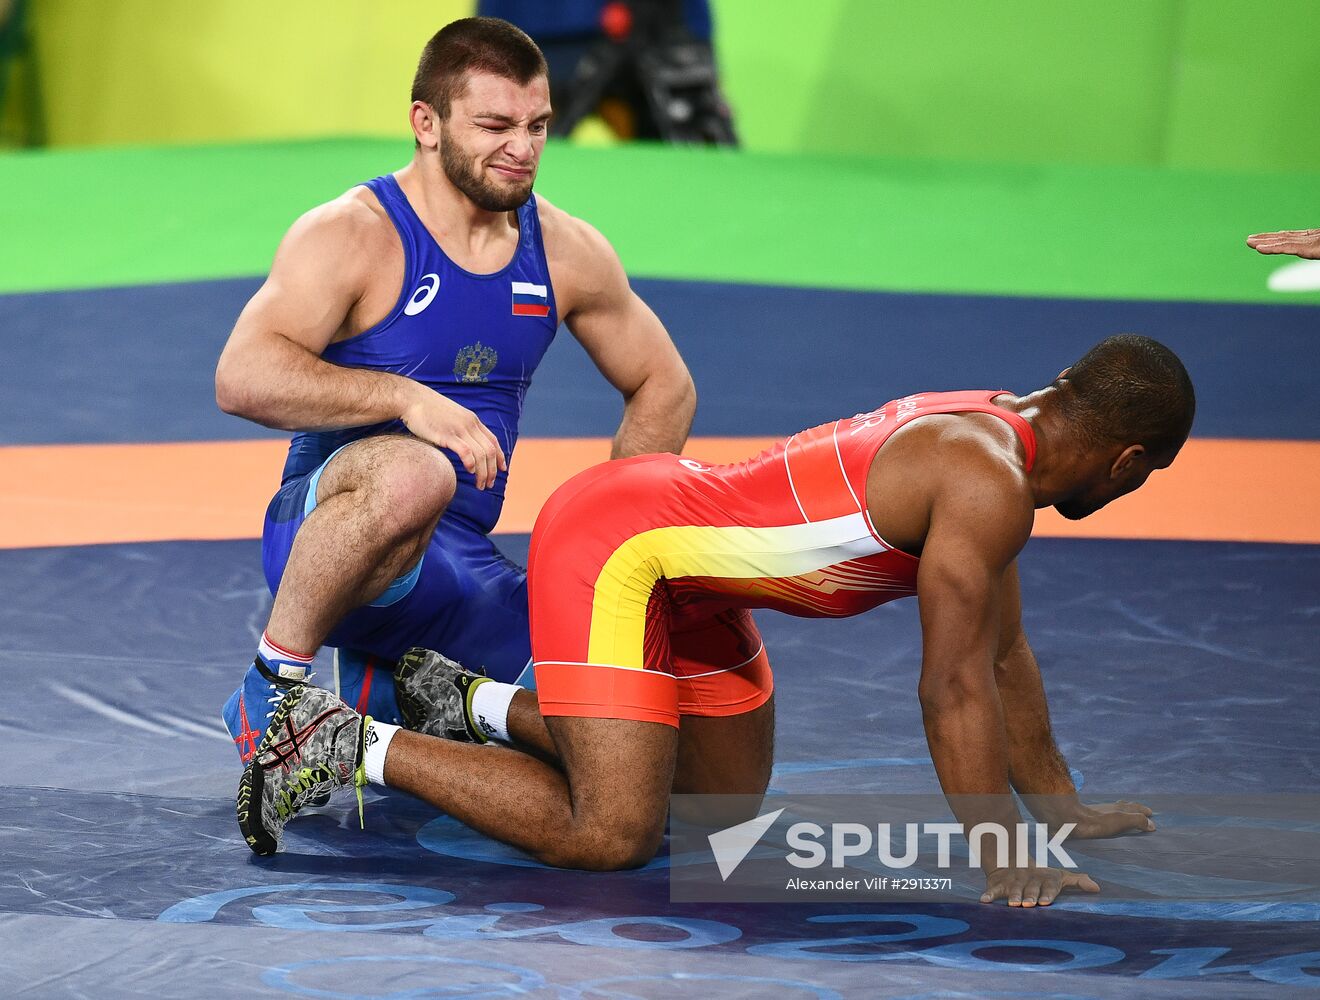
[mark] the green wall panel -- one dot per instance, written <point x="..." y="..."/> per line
<point x="1225" y="84"/>
<point x="1017" y="81"/>
<point x="1247" y="94"/>
<point x="154" y="71"/>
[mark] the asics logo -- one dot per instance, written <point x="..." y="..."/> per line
<point x="421" y="298"/>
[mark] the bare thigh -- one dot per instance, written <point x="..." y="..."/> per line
<point x="728" y="756"/>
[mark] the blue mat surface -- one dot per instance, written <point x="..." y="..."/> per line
<point x="1171" y="668"/>
<point x="136" y="364"/>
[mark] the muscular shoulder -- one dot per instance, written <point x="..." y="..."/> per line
<point x="980" y="477"/>
<point x="982" y="445"/>
<point x="337" y="270"/>
<point x="947" y="470"/>
<point x="582" y="261"/>
<point x="567" y="235"/>
<point x="344" y="236"/>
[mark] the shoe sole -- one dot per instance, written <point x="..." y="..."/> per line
<point x="250" y="788"/>
<point x="253" y="783"/>
<point x="412" y="712"/>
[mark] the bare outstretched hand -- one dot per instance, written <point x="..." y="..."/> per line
<point x="1032" y="885"/>
<point x="1302" y="242"/>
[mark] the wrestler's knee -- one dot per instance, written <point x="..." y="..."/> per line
<point x="619" y="773"/>
<point x="406" y="483"/>
<point x="414" y="492"/>
<point x="605" y="846"/>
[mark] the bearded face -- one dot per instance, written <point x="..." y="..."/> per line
<point x="490" y="146"/>
<point x="481" y="177"/>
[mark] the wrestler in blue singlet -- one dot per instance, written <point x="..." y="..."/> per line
<point x="476" y="339"/>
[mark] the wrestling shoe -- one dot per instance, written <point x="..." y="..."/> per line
<point x="435" y="696"/>
<point x="249" y="710"/>
<point x="365" y="683"/>
<point x="314" y="746"/>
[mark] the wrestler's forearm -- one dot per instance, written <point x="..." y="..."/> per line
<point x="1036" y="766"/>
<point x="965" y="734"/>
<point x="966" y="738"/>
<point x="657" y="416"/>
<point x="277" y="383"/>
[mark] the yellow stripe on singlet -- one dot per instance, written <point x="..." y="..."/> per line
<point x="623" y="587"/>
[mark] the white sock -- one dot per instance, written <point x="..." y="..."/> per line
<point x="377" y="741"/>
<point x="490" y="708"/>
<point x="284" y="663"/>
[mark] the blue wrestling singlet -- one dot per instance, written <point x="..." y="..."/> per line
<point x="475" y="338"/>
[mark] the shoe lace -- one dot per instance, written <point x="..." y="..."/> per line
<point x="278" y="691"/>
<point x="307" y="779"/>
<point x="360" y="774"/>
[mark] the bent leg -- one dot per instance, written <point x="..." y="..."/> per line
<point x="348" y="533"/>
<point x="604" y="811"/>
<point x="467" y="600"/>
<point x="725" y="693"/>
<point x="376" y="504"/>
<point x="732" y="755"/>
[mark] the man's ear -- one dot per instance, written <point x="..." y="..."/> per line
<point x="425" y="124"/>
<point x="1126" y="459"/>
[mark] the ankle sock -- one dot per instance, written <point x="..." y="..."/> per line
<point x="489" y="708"/>
<point x="284" y="663"/>
<point x="377" y="744"/>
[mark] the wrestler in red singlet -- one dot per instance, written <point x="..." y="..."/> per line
<point x="641" y="571"/>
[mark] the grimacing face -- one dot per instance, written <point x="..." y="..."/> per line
<point x="490" y="147"/>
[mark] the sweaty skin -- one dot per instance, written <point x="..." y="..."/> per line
<point x="950" y="488"/>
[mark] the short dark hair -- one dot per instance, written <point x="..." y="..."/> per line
<point x="1130" y="389"/>
<point x="473" y="45"/>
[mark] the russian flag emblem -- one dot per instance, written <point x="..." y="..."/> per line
<point x="530" y="300"/>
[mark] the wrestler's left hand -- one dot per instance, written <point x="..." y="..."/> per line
<point x="1112" y="819"/>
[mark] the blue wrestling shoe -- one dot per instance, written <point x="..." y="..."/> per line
<point x="249" y="710"/>
<point x="314" y="746"/>
<point x="366" y="683"/>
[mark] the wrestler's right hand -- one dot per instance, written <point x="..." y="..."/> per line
<point x="1031" y="885"/>
<point x="442" y="422"/>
